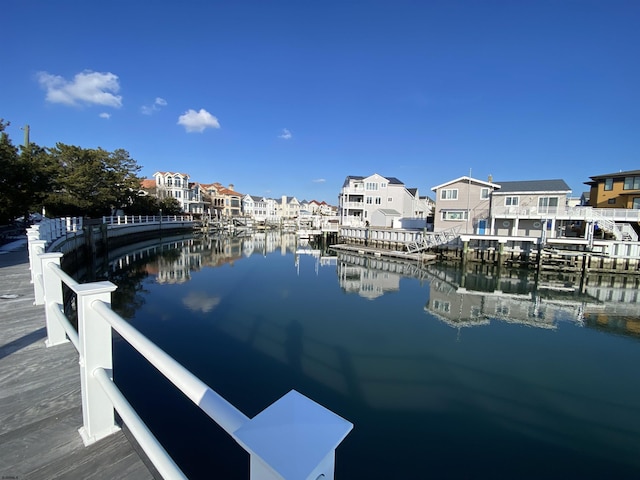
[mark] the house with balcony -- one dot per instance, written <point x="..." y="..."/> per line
<point x="615" y="190"/>
<point x="177" y="185"/>
<point x="531" y="208"/>
<point x="225" y="201"/>
<point x="287" y="207"/>
<point x="261" y="209"/>
<point x="379" y="201"/>
<point x="463" y="204"/>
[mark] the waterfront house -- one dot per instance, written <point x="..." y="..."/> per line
<point x="287" y="207"/>
<point x="255" y="207"/>
<point x="615" y="190"/>
<point x="360" y="197"/>
<point x="225" y="202"/>
<point x="177" y="185"/>
<point x="463" y="203"/>
<point x="529" y="207"/>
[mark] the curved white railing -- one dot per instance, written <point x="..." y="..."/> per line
<point x="269" y="437"/>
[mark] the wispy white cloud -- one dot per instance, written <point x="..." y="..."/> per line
<point x="194" y="121"/>
<point x="86" y="88"/>
<point x="319" y="180"/>
<point x="286" y="134"/>
<point x="105" y="115"/>
<point x="154" y="107"/>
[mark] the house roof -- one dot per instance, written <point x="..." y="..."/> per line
<point x="628" y="173"/>
<point x="391" y="180"/>
<point x="171" y="173"/>
<point x="148" y="183"/>
<point x="529" y="186"/>
<point x="412" y="191"/>
<point x="465" y="178"/>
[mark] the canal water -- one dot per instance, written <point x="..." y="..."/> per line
<point x="444" y="372"/>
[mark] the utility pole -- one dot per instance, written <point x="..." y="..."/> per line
<point x="26" y="137"/>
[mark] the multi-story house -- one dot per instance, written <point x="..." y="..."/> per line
<point x="255" y="207"/>
<point x="615" y="190"/>
<point x="177" y="185"/>
<point x="463" y="203"/>
<point x="287" y="207"/>
<point x="225" y="202"/>
<point x="529" y="208"/>
<point x="378" y="200"/>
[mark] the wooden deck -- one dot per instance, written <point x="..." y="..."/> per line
<point x="40" y="405"/>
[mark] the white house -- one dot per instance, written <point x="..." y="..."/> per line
<point x="361" y="197"/>
<point x="176" y="185"/>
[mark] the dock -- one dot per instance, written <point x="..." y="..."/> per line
<point x="40" y="403"/>
<point x="421" y="257"/>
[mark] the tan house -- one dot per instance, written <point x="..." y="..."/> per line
<point x="463" y="203"/>
<point x="615" y="190"/>
<point x="225" y="201"/>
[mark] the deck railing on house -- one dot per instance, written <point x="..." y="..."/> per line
<point x="294" y="427"/>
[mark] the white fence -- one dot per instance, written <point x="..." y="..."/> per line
<point x="294" y="438"/>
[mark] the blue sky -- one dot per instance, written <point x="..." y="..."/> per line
<point x="290" y="97"/>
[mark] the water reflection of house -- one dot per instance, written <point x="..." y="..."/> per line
<point x="366" y="282"/>
<point x="371" y="277"/>
<point x="461" y="307"/>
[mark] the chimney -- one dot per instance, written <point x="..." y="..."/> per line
<point x="490" y="178"/>
<point x="231" y="187"/>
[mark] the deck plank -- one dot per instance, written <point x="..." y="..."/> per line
<point x="40" y="403"/>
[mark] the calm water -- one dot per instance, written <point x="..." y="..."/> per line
<point x="444" y="375"/>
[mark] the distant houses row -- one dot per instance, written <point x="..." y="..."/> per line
<point x="218" y="201"/>
<point x="530" y="208"/>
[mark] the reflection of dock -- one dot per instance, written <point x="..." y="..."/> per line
<point x="381" y="252"/>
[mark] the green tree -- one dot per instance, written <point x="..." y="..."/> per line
<point x="25" y="179"/>
<point x="92" y="182"/>
<point x="8" y="163"/>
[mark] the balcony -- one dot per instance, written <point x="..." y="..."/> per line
<point x="568" y="213"/>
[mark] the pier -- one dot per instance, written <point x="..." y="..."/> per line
<point x="40" y="395"/>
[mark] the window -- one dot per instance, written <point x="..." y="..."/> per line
<point x="511" y="201"/>
<point x="378" y="201"/>
<point x="631" y="183"/>
<point x="383" y="185"/>
<point x="546" y="204"/>
<point x="608" y="184"/>
<point x="389" y="199"/>
<point x="369" y="200"/>
<point x="455" y="215"/>
<point x="611" y="201"/>
<point x="371" y="186"/>
<point x="484" y="193"/>
<point x="449" y="194"/>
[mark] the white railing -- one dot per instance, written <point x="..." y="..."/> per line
<point x="137" y="219"/>
<point x="294" y="427"/>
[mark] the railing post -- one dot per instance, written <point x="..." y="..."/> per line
<point x="95" y="350"/>
<point x="37" y="247"/>
<point x="294" y="427"/>
<point x="56" y="334"/>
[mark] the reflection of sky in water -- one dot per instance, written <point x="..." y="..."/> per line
<point x="494" y="390"/>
